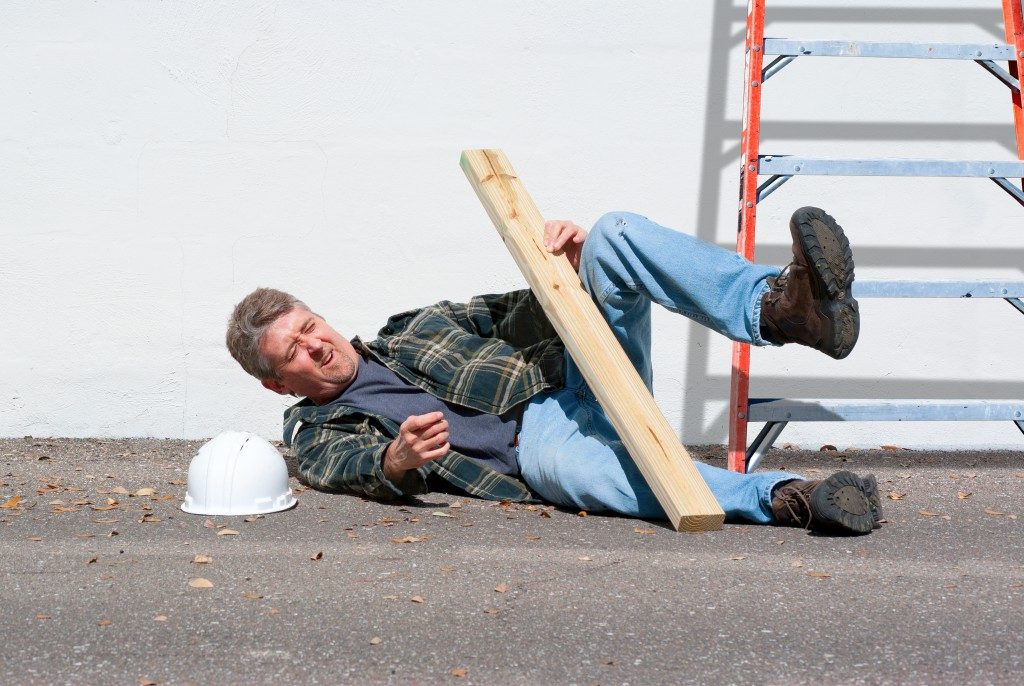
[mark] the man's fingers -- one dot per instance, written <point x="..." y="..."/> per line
<point x="436" y="452"/>
<point x="421" y="421"/>
<point x="432" y="431"/>
<point x="558" y="233"/>
<point x="553" y="231"/>
<point x="432" y="442"/>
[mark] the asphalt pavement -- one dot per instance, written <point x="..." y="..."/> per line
<point x="104" y="580"/>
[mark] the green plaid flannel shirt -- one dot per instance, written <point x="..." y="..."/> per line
<point x="490" y="354"/>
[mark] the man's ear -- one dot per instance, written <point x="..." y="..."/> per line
<point x="275" y="386"/>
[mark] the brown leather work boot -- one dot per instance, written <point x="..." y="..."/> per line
<point x="810" y="301"/>
<point x="838" y="504"/>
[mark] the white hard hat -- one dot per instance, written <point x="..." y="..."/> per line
<point x="237" y="473"/>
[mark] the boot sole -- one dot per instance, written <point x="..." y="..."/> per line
<point x="831" y="261"/>
<point x="871" y="493"/>
<point x="839" y="504"/>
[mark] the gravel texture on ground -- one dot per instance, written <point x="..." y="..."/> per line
<point x="98" y="583"/>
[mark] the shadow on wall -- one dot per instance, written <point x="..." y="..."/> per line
<point x="721" y="151"/>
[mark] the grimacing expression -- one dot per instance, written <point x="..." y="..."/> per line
<point x="311" y="359"/>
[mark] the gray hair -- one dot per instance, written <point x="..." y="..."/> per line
<point x="250" y="320"/>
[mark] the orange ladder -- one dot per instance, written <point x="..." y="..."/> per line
<point x="781" y="168"/>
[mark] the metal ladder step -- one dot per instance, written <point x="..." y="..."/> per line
<point x="776" y="413"/>
<point x="845" y="410"/>
<point x="790" y="165"/>
<point x="938" y="289"/>
<point x="836" y="48"/>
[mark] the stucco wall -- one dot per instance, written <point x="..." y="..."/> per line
<point x="160" y="160"/>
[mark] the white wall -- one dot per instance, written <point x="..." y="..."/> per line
<point x="160" y="160"/>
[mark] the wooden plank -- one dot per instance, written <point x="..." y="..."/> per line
<point x="651" y="442"/>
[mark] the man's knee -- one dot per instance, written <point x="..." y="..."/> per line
<point x="606" y="231"/>
<point x="612" y="224"/>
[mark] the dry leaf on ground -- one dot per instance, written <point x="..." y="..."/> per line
<point x="895" y="495"/>
<point x="202" y="559"/>
<point x="160" y="618"/>
<point x="11" y="503"/>
<point x="200" y="583"/>
<point x="375" y="641"/>
<point x="409" y="539"/>
<point x="318" y="556"/>
<point x="963" y="495"/>
<point x="227" y="532"/>
<point x="105" y="622"/>
<point x="928" y="513"/>
<point x="249" y="595"/>
<point x="145" y="491"/>
<point x="819" y="575"/>
<point x="990" y="512"/>
<point x="501" y="588"/>
<point x="418" y="599"/>
<point x="645" y="532"/>
<point x="460" y="672"/>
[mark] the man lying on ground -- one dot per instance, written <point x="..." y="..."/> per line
<point x="478" y="398"/>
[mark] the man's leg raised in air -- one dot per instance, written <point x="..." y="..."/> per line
<point x="569" y="452"/>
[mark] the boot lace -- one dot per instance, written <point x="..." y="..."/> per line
<point x="778" y="284"/>
<point x="797" y="503"/>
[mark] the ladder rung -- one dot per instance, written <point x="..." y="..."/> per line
<point x="789" y="165"/>
<point x="843" y="410"/>
<point x="837" y="48"/>
<point x="938" y="289"/>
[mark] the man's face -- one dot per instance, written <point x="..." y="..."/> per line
<point x="311" y="358"/>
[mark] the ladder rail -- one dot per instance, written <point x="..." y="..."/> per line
<point x="750" y="140"/>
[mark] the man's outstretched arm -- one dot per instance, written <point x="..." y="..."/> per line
<point x="334" y="460"/>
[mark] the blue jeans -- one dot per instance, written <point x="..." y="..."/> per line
<point x="569" y="453"/>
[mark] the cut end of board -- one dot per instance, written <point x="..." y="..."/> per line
<point x="700" y="523"/>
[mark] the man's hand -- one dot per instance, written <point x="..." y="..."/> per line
<point x="564" y="235"/>
<point x="421" y="438"/>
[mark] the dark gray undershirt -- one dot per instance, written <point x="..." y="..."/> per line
<point x="485" y="437"/>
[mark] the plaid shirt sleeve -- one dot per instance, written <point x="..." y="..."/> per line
<point x="343" y="456"/>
